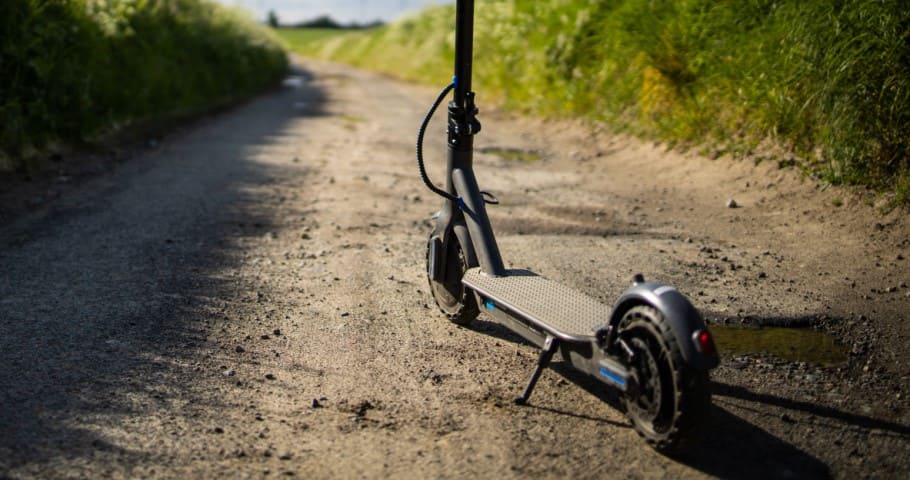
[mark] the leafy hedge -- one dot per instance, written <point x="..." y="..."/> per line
<point x="74" y="68"/>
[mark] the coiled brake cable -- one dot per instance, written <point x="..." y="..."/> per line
<point x="423" y="128"/>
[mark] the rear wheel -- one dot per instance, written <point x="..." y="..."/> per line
<point x="455" y="301"/>
<point x="669" y="399"/>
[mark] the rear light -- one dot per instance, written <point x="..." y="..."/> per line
<point x="703" y="342"/>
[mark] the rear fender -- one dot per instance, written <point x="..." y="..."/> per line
<point x="682" y="316"/>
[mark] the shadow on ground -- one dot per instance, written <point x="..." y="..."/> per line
<point x="105" y="297"/>
<point x="728" y="446"/>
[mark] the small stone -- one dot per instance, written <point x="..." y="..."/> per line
<point x="345" y="314"/>
<point x="316" y="403"/>
<point x="285" y="456"/>
<point x="229" y="373"/>
<point x="269" y="376"/>
<point x="264" y="337"/>
<point x="267" y="453"/>
<point x="762" y="275"/>
<point x="218" y="430"/>
<point x="239" y="349"/>
<point x="731" y="203"/>
<point x="277" y="331"/>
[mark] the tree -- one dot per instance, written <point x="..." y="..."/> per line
<point x="273" y="19"/>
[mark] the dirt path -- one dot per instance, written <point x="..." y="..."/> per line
<point x="247" y="299"/>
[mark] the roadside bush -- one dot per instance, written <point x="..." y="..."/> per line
<point x="72" y="69"/>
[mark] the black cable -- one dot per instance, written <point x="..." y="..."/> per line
<point x="420" y="134"/>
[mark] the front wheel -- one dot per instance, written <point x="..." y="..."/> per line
<point x="669" y="399"/>
<point x="455" y="301"/>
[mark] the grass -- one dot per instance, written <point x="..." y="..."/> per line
<point x="74" y="69"/>
<point x="827" y="81"/>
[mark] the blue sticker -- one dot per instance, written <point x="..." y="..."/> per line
<point x="613" y="377"/>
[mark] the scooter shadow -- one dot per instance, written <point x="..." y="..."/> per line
<point x="727" y="446"/>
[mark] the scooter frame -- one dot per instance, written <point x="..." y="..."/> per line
<point x="463" y="223"/>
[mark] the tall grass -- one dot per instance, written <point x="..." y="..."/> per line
<point x="828" y="80"/>
<point x="74" y="68"/>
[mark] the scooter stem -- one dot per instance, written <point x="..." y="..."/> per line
<point x="463" y="125"/>
<point x="464" y="49"/>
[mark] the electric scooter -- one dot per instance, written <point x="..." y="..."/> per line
<point x="652" y="345"/>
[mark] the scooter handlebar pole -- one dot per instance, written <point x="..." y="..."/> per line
<point x="463" y="125"/>
<point x="464" y="49"/>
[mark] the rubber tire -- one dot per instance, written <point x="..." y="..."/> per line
<point x="453" y="299"/>
<point x="685" y="396"/>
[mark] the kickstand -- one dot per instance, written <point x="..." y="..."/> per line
<point x="549" y="348"/>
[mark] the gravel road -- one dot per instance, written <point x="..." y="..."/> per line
<point x="245" y="298"/>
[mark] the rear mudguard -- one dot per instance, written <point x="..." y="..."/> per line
<point x="683" y="318"/>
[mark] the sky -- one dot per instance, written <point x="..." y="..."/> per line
<point x="344" y="11"/>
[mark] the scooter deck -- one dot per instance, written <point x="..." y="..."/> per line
<point x="561" y="311"/>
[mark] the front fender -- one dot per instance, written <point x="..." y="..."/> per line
<point x="682" y="316"/>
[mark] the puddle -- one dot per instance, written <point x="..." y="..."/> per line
<point x="793" y="344"/>
<point x="350" y="118"/>
<point x="351" y="121"/>
<point x="513" y="154"/>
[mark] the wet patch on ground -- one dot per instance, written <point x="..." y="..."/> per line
<point x="794" y="344"/>
<point x="513" y="154"/>
<point x="544" y="226"/>
<point x="565" y="220"/>
<point x="579" y="213"/>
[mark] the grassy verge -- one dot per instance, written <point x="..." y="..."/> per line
<point x="828" y="81"/>
<point x="75" y="68"/>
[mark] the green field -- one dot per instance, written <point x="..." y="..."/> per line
<point x="75" y="69"/>
<point x="825" y="85"/>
